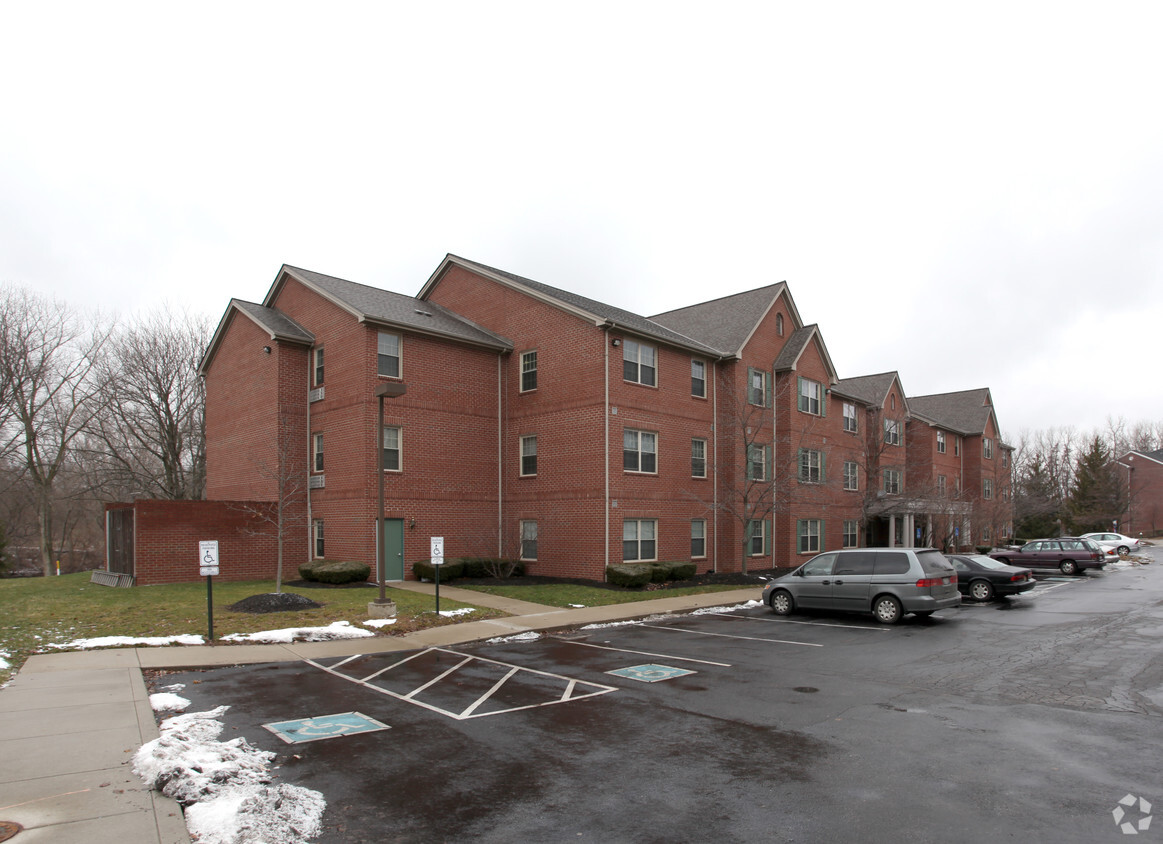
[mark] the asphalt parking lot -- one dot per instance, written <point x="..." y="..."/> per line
<point x="1023" y="719"/>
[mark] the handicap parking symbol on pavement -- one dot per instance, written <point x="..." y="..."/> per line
<point x="651" y="673"/>
<point x="324" y="727"/>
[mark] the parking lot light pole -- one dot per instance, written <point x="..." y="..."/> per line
<point x="391" y="390"/>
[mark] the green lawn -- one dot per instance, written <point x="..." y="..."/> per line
<point x="38" y="611"/>
<point x="569" y="594"/>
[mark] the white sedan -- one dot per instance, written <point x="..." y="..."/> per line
<point x="1115" y="542"/>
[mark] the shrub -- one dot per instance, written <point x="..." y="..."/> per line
<point x="449" y="570"/>
<point x="342" y="572"/>
<point x="631" y="575"/>
<point x="683" y="571"/>
<point x="307" y="570"/>
<point x="982" y="549"/>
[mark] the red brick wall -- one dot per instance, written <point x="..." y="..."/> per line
<point x="1145" y="511"/>
<point x="167" y="534"/>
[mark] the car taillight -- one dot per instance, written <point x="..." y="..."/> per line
<point x="1017" y="577"/>
<point x="929" y="582"/>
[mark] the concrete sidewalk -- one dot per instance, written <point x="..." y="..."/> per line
<point x="71" y="722"/>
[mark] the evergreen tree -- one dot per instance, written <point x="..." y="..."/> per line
<point x="1037" y="507"/>
<point x="1096" y="497"/>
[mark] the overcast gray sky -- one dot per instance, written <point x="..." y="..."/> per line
<point x="971" y="195"/>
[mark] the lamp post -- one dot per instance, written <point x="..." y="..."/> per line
<point x="391" y="390"/>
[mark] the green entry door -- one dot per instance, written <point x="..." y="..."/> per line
<point x="394" y="549"/>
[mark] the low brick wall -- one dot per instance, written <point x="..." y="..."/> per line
<point x="167" y="533"/>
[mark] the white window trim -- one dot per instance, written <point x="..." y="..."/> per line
<point x="637" y="361"/>
<point x="638" y="539"/>
<point x="703" y="555"/>
<point x="523" y="540"/>
<point x="703" y="458"/>
<point x="639" y="451"/>
<point x="521" y="382"/>
<point x="399" y="356"/>
<point x="854" y="475"/>
<point x="399" y="447"/>
<point x="523" y="455"/>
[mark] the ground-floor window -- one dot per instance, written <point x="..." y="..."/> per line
<point x="528" y="540"/>
<point x="850" y="533"/>
<point x="808" y="533"/>
<point x="639" y="539"/>
<point x="318" y="531"/>
<point x="698" y="538"/>
<point x="758" y="533"/>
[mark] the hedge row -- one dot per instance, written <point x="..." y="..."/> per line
<point x="334" y="571"/>
<point x="633" y="575"/>
<point x="456" y="567"/>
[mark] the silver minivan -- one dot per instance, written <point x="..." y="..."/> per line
<point x="888" y="582"/>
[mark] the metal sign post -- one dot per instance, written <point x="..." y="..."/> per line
<point x="208" y="566"/>
<point x="437" y="556"/>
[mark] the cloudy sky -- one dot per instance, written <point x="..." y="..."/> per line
<point x="971" y="195"/>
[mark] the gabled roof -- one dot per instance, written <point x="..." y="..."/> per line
<point x="383" y="307"/>
<point x="729" y="322"/>
<point x="789" y="356"/>
<point x="272" y="321"/>
<point x="598" y="313"/>
<point x="872" y="390"/>
<point x="965" y="412"/>
<point x="1154" y="456"/>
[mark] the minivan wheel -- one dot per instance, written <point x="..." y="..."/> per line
<point x="1068" y="567"/>
<point x="781" y="602"/>
<point x="981" y="590"/>
<point x="887" y="609"/>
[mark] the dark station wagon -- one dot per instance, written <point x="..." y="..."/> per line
<point x="1068" y="554"/>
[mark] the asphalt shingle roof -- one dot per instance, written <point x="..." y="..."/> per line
<point x="872" y="390"/>
<point x="964" y="412"/>
<point x="275" y="322"/>
<point x="384" y="306"/>
<point x="723" y="323"/>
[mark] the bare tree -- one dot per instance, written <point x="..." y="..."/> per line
<point x="49" y="367"/>
<point x="151" y="437"/>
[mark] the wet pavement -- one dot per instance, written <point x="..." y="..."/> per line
<point x="1022" y="719"/>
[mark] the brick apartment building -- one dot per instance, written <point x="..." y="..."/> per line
<point x="1143" y="474"/>
<point x="540" y="424"/>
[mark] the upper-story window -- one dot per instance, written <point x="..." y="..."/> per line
<point x="892" y="481"/>
<point x="851" y="475"/>
<point x="317" y="464"/>
<point x="388" y="354"/>
<point x="698" y="458"/>
<point x="940" y="442"/>
<point x="849" y="417"/>
<point x="957" y="446"/>
<point x="987" y="489"/>
<point x="892" y="431"/>
<point x="528" y="371"/>
<point x="528" y="456"/>
<point x="392" y="448"/>
<point x="1005" y="459"/>
<point x="779" y="324"/>
<point x="987" y="448"/>
<point x="639" y="363"/>
<point x="698" y="379"/>
<point x="639" y="451"/>
<point x="318" y="366"/>
<point x="758" y="458"/>
<point x="758" y="387"/>
<point x="811" y="397"/>
<point x="811" y="466"/>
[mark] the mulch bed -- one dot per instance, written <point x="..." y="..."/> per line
<point x="752" y="578"/>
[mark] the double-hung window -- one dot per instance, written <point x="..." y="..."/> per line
<point x="808" y="533"/>
<point x="849" y="417"/>
<point x="317" y="524"/>
<point x="317" y="463"/>
<point x="758" y="534"/>
<point x="528" y="456"/>
<point x="987" y="448"/>
<point x="942" y="485"/>
<point x="850" y="533"/>
<point x="987" y="489"/>
<point x="528" y="540"/>
<point x="811" y="466"/>
<point x="758" y="387"/>
<point x="319" y="366"/>
<point x="940" y="442"/>
<point x="698" y="458"/>
<point x="639" y="451"/>
<point x="388" y="354"/>
<point x="851" y="475"/>
<point x="698" y="379"/>
<point x="698" y="538"/>
<point x="639" y="539"/>
<point x="811" y="397"/>
<point x="758" y="458"/>
<point x="391" y="454"/>
<point x="892" y="431"/>
<point x="639" y="363"/>
<point x="892" y="481"/>
<point x="528" y="371"/>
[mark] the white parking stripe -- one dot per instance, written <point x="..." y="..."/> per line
<point x="729" y="636"/>
<point x="649" y="653"/>
<point x="812" y="623"/>
<point x="497" y="685"/>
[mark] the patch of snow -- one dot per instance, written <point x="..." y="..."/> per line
<point x="528" y="636"/>
<point x="627" y="623"/>
<point x="174" y="687"/>
<point x="4" y="662"/>
<point x="379" y="622"/>
<point x="578" y="606"/>
<point x="225" y="786"/>
<point x="165" y="701"/>
<point x="117" y="641"/>
<point x="286" y="635"/>
<point x="743" y="606"/>
<point x="461" y="611"/>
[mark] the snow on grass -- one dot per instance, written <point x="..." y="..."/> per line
<point x="226" y="786"/>
<point x="4" y="662"/>
<point x="528" y="636"/>
<point x="379" y="622"/>
<point x="286" y="635"/>
<point x="744" y="606"/>
<point x="120" y="641"/>
<point x="461" y="611"/>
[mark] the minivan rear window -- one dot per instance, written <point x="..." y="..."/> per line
<point x="934" y="562"/>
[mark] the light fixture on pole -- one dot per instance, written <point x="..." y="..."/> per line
<point x="391" y="390"/>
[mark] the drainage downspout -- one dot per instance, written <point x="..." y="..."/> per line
<point x="606" y="439"/>
<point x="500" y="462"/>
<point x="715" y="463"/>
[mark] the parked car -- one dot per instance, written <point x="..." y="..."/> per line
<point x="888" y="582"/>
<point x="982" y="578"/>
<point x="1115" y="541"/>
<point x="1068" y="554"/>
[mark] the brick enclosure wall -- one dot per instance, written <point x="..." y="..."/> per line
<point x="168" y="532"/>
